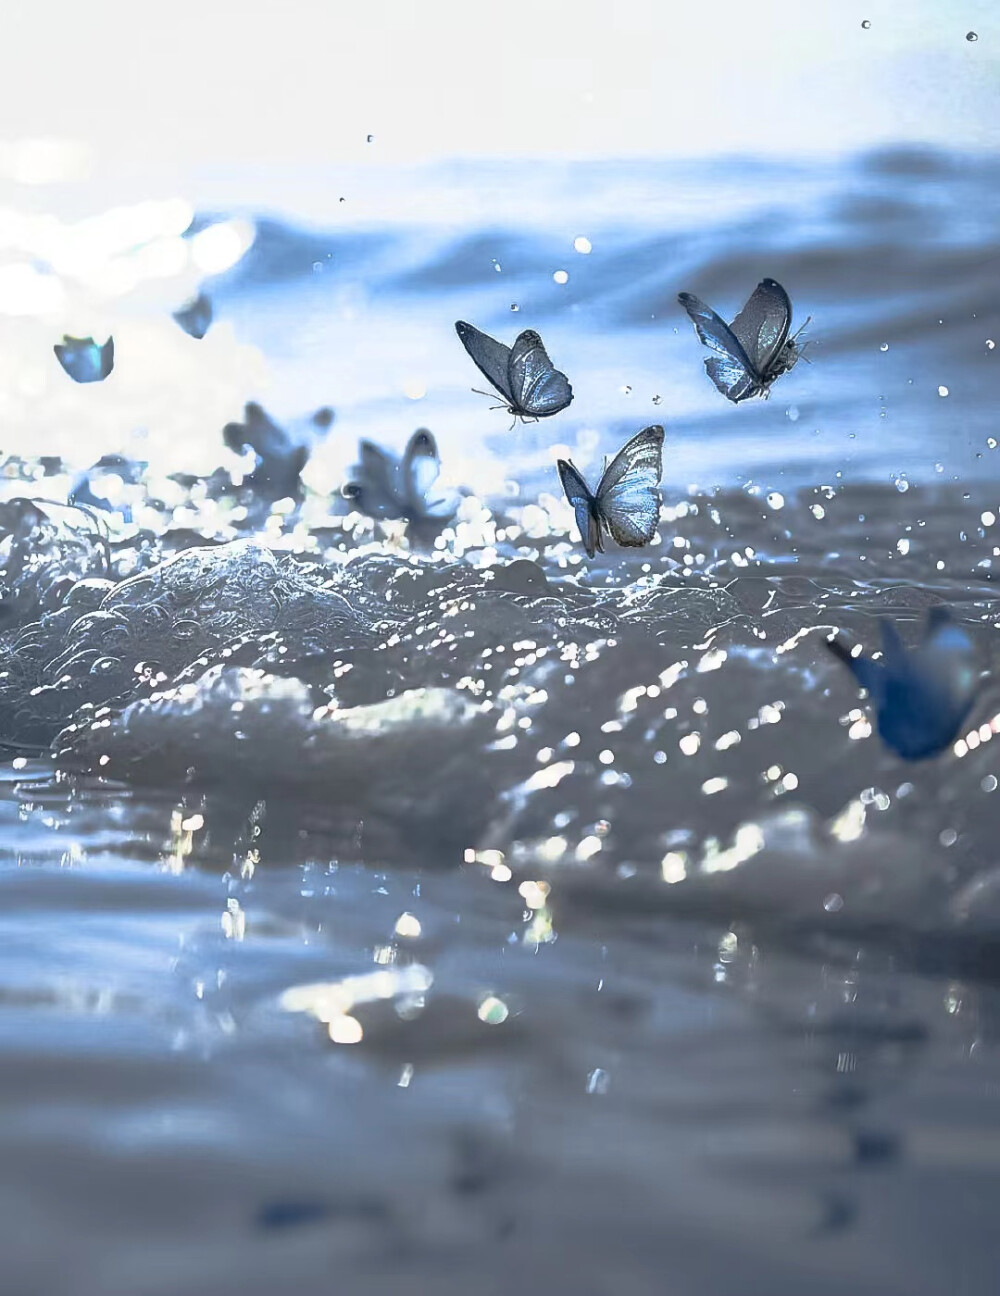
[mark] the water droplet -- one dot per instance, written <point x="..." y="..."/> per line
<point x="317" y="267"/>
<point x="598" y="1081"/>
<point x="514" y="306"/>
<point x="792" y="413"/>
<point x="496" y="266"/>
<point x="971" y="36"/>
<point x="582" y="244"/>
<point x="626" y="390"/>
<point x="902" y="485"/>
<point x="990" y="344"/>
<point x="561" y="277"/>
<point x="492" y="1011"/>
<point x="657" y="400"/>
<point x="371" y="139"/>
<point x="833" y="903"/>
<point x="884" y="346"/>
<point x="991" y="442"/>
<point x="942" y="391"/>
<point x="776" y="500"/>
<point x="866" y="24"/>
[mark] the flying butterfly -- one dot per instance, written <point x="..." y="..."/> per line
<point x="752" y="351"/>
<point x="385" y="486"/>
<point x="195" y="317"/>
<point x="523" y="374"/>
<point x="84" y="360"/>
<point x="626" y="504"/>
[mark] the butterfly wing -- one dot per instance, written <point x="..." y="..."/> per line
<point x="419" y="468"/>
<point x="868" y="674"/>
<point x="730" y="368"/>
<point x="538" y="388"/>
<point x="374" y="488"/>
<point x="420" y="465"/>
<point x="761" y="327"/>
<point x="628" y="498"/>
<point x="489" y="356"/>
<point x="579" y="496"/>
<point x="84" y="360"/>
<point x="195" y="317"/>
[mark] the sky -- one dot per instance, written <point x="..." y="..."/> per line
<point x="119" y="120"/>
<point x="170" y="89"/>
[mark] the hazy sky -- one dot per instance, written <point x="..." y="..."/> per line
<point x="212" y="82"/>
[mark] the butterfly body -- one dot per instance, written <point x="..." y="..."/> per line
<point x="626" y="503"/>
<point x="752" y="351"/>
<point x="522" y="374"/>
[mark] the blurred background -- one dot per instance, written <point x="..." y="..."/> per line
<point x="442" y="911"/>
<point x="348" y="180"/>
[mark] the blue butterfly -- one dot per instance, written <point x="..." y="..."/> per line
<point x="921" y="696"/>
<point x="387" y="487"/>
<point x="626" y="504"/>
<point x="523" y="374"/>
<point x="195" y="317"/>
<point x="84" y="360"/>
<point x="281" y="454"/>
<point x="752" y="351"/>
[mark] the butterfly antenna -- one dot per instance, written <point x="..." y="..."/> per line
<point x="489" y="396"/>
<point x="795" y="335"/>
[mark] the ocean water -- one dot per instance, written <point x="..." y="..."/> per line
<point x="421" y="903"/>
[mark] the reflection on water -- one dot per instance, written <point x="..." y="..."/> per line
<point x="437" y="906"/>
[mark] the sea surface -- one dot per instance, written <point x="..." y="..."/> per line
<point x="396" y="904"/>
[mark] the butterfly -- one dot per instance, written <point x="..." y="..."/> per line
<point x="626" y="504"/>
<point x="84" y="360"/>
<point x="387" y="487"/>
<point x="920" y="695"/>
<point x="523" y="374"/>
<point x="752" y="351"/>
<point x="195" y="317"/>
<point x="282" y="453"/>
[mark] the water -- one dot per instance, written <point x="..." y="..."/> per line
<point x="434" y="906"/>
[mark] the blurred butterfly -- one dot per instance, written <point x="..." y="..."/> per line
<point x="920" y="696"/>
<point x="523" y="374"/>
<point x="282" y="453"/>
<point x="626" y="504"/>
<point x="84" y="360"/>
<point x="752" y="351"/>
<point x="387" y="487"/>
<point x="195" y="317"/>
<point x="105" y="485"/>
